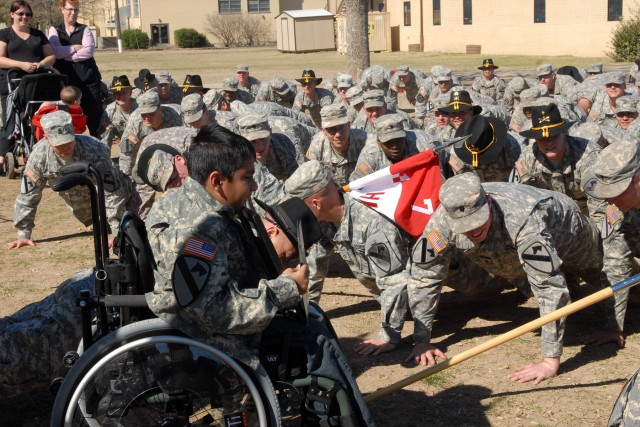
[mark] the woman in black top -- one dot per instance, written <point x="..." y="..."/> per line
<point x="24" y="48"/>
<point x="74" y="46"/>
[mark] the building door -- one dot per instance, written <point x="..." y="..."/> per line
<point x="159" y="34"/>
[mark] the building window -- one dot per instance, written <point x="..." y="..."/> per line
<point x="436" y="12"/>
<point x="407" y="13"/>
<point x="614" y="10"/>
<point x="136" y="8"/>
<point x="229" y="6"/>
<point x="257" y="6"/>
<point x="466" y="12"/>
<point x="539" y="11"/>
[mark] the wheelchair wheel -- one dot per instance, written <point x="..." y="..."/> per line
<point x="10" y="165"/>
<point x="149" y="374"/>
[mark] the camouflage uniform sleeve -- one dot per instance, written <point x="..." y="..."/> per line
<point x="261" y="95"/>
<point x="270" y="189"/>
<point x="387" y="253"/>
<point x="297" y="102"/>
<point x="476" y="85"/>
<point x="547" y="281"/>
<point x="364" y="164"/>
<point x="392" y="93"/>
<point x="501" y="86"/>
<point x="525" y="168"/>
<point x="428" y="268"/>
<point x="313" y="153"/>
<point x="105" y="123"/>
<point x="128" y="145"/>
<point x="31" y="186"/>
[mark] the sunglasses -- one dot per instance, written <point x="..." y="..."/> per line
<point x="27" y="14"/>
<point x="71" y="9"/>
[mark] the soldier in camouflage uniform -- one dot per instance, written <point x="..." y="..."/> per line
<point x="616" y="178"/>
<point x="512" y="92"/>
<point x="490" y="152"/>
<point x="558" y="84"/>
<point x="488" y="84"/>
<point x="440" y="126"/>
<point x="372" y="246"/>
<point x="59" y="147"/>
<point x="149" y="117"/>
<point x="337" y="146"/>
<point x="246" y="82"/>
<point x="233" y="305"/>
<point x="390" y="144"/>
<point x="556" y="161"/>
<point x="344" y="82"/>
<point x="230" y="92"/>
<point x="311" y="99"/>
<point x="193" y="84"/>
<point x="626" y="112"/>
<point x="375" y="106"/>
<point x="404" y="81"/>
<point x="355" y="97"/>
<point x="513" y="231"/>
<point x="603" y="109"/>
<point x="460" y="108"/>
<point x="116" y="115"/>
<point x="277" y="90"/>
<point x="300" y="134"/>
<point x="168" y="91"/>
<point x="375" y="77"/>
<point x="274" y="150"/>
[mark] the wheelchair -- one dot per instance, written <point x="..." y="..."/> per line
<point x="132" y="368"/>
<point x="26" y="93"/>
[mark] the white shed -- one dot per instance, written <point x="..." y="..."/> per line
<point x="305" y="30"/>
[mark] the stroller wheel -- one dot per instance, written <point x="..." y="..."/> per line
<point x="10" y="165"/>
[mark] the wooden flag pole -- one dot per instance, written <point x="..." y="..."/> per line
<point x="507" y="336"/>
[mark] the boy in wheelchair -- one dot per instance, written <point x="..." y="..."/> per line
<point x="212" y="283"/>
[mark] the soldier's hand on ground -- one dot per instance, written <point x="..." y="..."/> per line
<point x="537" y="372"/>
<point x="604" y="337"/>
<point x="301" y="275"/>
<point x="19" y="243"/>
<point x="374" y="347"/>
<point x="111" y="241"/>
<point x="425" y="354"/>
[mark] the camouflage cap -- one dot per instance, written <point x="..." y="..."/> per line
<point x="355" y="95"/>
<point x="192" y="107"/>
<point x="588" y="130"/>
<point x="243" y="68"/>
<point x="614" y="77"/>
<point x="160" y="169"/>
<point x="402" y="70"/>
<point x="594" y="68"/>
<point x="528" y="97"/>
<point x="437" y="69"/>
<point x="211" y="99"/>
<point x="390" y="126"/>
<point x="543" y="70"/>
<point x="614" y="169"/>
<point x="344" y="81"/>
<point x="374" y="98"/>
<point x="230" y="84"/>
<point x="377" y="77"/>
<point x="333" y="115"/>
<point x="517" y="84"/>
<point x="444" y="75"/>
<point x="58" y="128"/>
<point x="627" y="104"/>
<point x="163" y="77"/>
<point x="310" y="178"/>
<point x="279" y="86"/>
<point x="254" y="125"/>
<point x="465" y="202"/>
<point x="148" y="102"/>
<point x="439" y="103"/>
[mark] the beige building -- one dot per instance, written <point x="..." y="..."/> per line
<point x="528" y="27"/>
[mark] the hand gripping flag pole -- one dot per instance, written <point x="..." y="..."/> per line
<point x="507" y="336"/>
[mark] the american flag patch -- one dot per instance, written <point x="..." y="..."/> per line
<point x="522" y="171"/>
<point x="456" y="164"/>
<point x="613" y="215"/>
<point x="134" y="140"/>
<point x="32" y="175"/>
<point x="364" y="168"/>
<point x="200" y="248"/>
<point x="436" y="241"/>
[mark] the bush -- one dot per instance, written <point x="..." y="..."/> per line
<point x="625" y="41"/>
<point x="135" y="39"/>
<point x="188" y="37"/>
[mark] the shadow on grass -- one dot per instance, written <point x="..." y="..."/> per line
<point x="65" y="237"/>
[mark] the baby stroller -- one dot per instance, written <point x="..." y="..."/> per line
<point x="134" y="369"/>
<point x="26" y="94"/>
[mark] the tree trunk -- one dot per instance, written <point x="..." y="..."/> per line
<point x="357" y="37"/>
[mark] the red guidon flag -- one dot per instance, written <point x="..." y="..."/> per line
<point x="405" y="192"/>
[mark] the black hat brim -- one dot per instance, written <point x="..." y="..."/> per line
<point x="318" y="80"/>
<point x="489" y="156"/>
<point x="145" y="158"/>
<point x="537" y="134"/>
<point x="495" y="67"/>
<point x="477" y="109"/>
<point x="295" y="211"/>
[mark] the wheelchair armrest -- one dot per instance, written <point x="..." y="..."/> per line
<point x="124" y="301"/>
